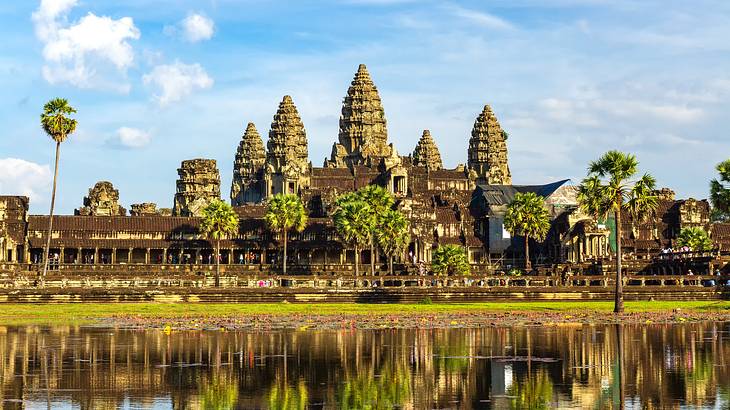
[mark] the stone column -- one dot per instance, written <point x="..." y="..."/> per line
<point x="114" y="256"/>
<point x="164" y="256"/>
<point x="230" y="257"/>
<point x="129" y="255"/>
<point x="61" y="257"/>
<point x="147" y="256"/>
<point x="196" y="256"/>
<point x="96" y="256"/>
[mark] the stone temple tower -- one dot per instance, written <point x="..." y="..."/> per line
<point x="488" y="150"/>
<point x="363" y="136"/>
<point x="427" y="153"/>
<point x="103" y="200"/>
<point x="248" y="168"/>
<point x="198" y="184"/>
<point x="287" y="159"/>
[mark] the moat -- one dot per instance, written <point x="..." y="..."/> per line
<point x="565" y="366"/>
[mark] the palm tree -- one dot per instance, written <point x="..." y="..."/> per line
<point x="694" y="238"/>
<point x="58" y="125"/>
<point x="527" y="216"/>
<point x="608" y="189"/>
<point x="286" y="212"/>
<point x="392" y="234"/>
<point x="380" y="201"/>
<point x="720" y="192"/>
<point x="354" y="221"/>
<point x="219" y="220"/>
<point x="450" y="260"/>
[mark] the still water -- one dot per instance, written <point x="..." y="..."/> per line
<point x="570" y="366"/>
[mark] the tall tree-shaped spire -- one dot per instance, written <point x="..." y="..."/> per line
<point x="363" y="131"/>
<point x="287" y="143"/>
<point x="488" y="150"/>
<point x="427" y="153"/>
<point x="247" y="166"/>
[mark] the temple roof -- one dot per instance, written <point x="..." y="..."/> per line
<point x="488" y="149"/>
<point x="287" y="143"/>
<point x="504" y="194"/>
<point x="362" y="123"/>
<point x="427" y="153"/>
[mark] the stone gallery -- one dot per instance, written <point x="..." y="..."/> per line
<point x="463" y="206"/>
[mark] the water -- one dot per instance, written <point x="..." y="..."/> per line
<point x="571" y="366"/>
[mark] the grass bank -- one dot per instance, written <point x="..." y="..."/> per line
<point x="77" y="313"/>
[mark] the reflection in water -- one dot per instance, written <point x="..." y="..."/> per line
<point x="664" y="366"/>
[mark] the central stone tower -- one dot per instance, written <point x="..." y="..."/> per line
<point x="488" y="150"/>
<point x="363" y="136"/>
<point x="248" y="168"/>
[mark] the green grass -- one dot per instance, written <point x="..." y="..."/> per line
<point x="72" y="313"/>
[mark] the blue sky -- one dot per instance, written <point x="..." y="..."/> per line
<point x="157" y="82"/>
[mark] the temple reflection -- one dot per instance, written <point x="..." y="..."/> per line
<point x="664" y="366"/>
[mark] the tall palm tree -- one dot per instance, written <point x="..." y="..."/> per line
<point x="286" y="212"/>
<point x="392" y="234"/>
<point x="56" y="122"/>
<point x="527" y="216"/>
<point x="380" y="201"/>
<point x="219" y="220"/>
<point x="613" y="194"/>
<point x="354" y="221"/>
<point x="720" y="192"/>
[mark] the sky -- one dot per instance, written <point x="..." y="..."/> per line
<point x="156" y="82"/>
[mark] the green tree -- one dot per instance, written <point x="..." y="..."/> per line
<point x="720" y="192"/>
<point x="219" y="221"/>
<point x="609" y="189"/>
<point x="450" y="260"/>
<point x="392" y="234"/>
<point x="527" y="216"/>
<point x="56" y="122"/>
<point x="286" y="212"/>
<point x="695" y="238"/>
<point x="354" y="221"/>
<point x="380" y="201"/>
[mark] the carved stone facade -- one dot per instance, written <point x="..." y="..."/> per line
<point x="427" y="153"/>
<point x="145" y="208"/>
<point x="287" y="159"/>
<point x="248" y="168"/>
<point x="488" y="150"/>
<point x="363" y="136"/>
<point x="13" y="220"/>
<point x="103" y="200"/>
<point x="198" y="184"/>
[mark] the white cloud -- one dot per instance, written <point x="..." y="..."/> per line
<point x="197" y="27"/>
<point x="20" y="177"/>
<point x="177" y="80"/>
<point x="131" y="137"/>
<point x="193" y="28"/>
<point x="87" y="53"/>
<point x="481" y="18"/>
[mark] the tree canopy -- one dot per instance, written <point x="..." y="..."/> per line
<point x="219" y="220"/>
<point x="720" y="192"/>
<point x="450" y="260"/>
<point x="695" y="238"/>
<point x="55" y="119"/>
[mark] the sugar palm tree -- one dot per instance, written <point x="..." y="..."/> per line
<point x="527" y="216"/>
<point x="354" y="221"/>
<point x="286" y="212"/>
<point x="219" y="220"/>
<point x="450" y="260"/>
<point x="56" y="122"/>
<point x="380" y="201"/>
<point x="392" y="234"/>
<point x="614" y="193"/>
<point x="695" y="238"/>
<point x="720" y="192"/>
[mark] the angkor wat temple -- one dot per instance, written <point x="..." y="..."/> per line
<point x="464" y="205"/>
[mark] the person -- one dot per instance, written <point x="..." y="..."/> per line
<point x="689" y="272"/>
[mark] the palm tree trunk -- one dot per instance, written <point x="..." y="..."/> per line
<point x="217" y="263"/>
<point x="284" y="261"/>
<point x="372" y="256"/>
<point x="50" y="214"/>
<point x="619" y="296"/>
<point x="528" y="265"/>
<point x="390" y="264"/>
<point x="357" y="261"/>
